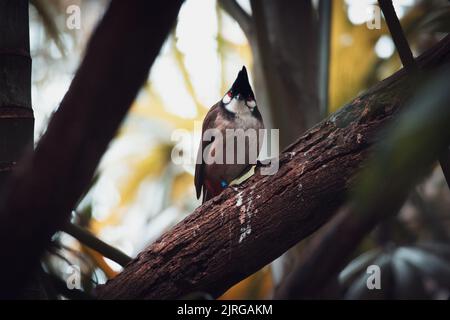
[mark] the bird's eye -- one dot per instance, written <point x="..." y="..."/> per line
<point x="229" y="94"/>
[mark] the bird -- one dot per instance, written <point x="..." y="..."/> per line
<point x="236" y="110"/>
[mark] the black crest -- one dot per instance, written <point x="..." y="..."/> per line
<point x="241" y="85"/>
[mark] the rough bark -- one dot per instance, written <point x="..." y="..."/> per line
<point x="244" y="228"/>
<point x="324" y="53"/>
<point x="383" y="188"/>
<point x="117" y="61"/>
<point x="16" y="115"/>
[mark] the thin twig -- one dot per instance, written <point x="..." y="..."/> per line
<point x="61" y="287"/>
<point x="238" y="13"/>
<point x="397" y="34"/>
<point x="325" y="9"/>
<point x="444" y="161"/>
<point x="408" y="61"/>
<point x="113" y="70"/>
<point x="98" y="245"/>
<point x="180" y="63"/>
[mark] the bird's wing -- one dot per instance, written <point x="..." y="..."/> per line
<point x="208" y="123"/>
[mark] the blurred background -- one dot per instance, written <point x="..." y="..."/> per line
<point x="138" y="192"/>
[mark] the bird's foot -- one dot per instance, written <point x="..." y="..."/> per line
<point x="223" y="184"/>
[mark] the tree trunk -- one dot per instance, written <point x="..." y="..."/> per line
<point x="16" y="114"/>
<point x="245" y="228"/>
<point x="284" y="44"/>
<point x="283" y="38"/>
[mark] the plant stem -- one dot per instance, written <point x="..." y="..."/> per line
<point x="98" y="245"/>
<point x="397" y="34"/>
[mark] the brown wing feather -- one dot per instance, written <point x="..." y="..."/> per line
<point x="208" y="123"/>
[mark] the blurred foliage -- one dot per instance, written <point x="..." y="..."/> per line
<point x="413" y="272"/>
<point x="47" y="11"/>
<point x="404" y="154"/>
<point x="354" y="63"/>
<point x="60" y="261"/>
<point x="256" y="287"/>
<point x="437" y="20"/>
<point x="350" y="45"/>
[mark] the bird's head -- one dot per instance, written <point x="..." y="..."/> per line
<point x="240" y="94"/>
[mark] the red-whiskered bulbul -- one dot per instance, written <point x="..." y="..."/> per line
<point x="236" y="110"/>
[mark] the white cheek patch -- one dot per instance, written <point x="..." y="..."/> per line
<point x="251" y="103"/>
<point x="236" y="106"/>
<point x="233" y="106"/>
<point x="226" y="99"/>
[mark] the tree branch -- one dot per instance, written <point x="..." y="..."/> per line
<point x="237" y="13"/>
<point x="325" y="14"/>
<point x="46" y="187"/>
<point x="397" y="33"/>
<point x="88" y="239"/>
<point x="408" y="61"/>
<point x="245" y="228"/>
<point x="382" y="188"/>
<point x="444" y="161"/>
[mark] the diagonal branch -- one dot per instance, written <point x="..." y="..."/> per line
<point x="243" y="229"/>
<point x="408" y="61"/>
<point x="45" y="189"/>
<point x="88" y="239"/>
<point x="238" y="13"/>
<point x="397" y="33"/>
<point x="382" y="188"/>
<point x="444" y="161"/>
